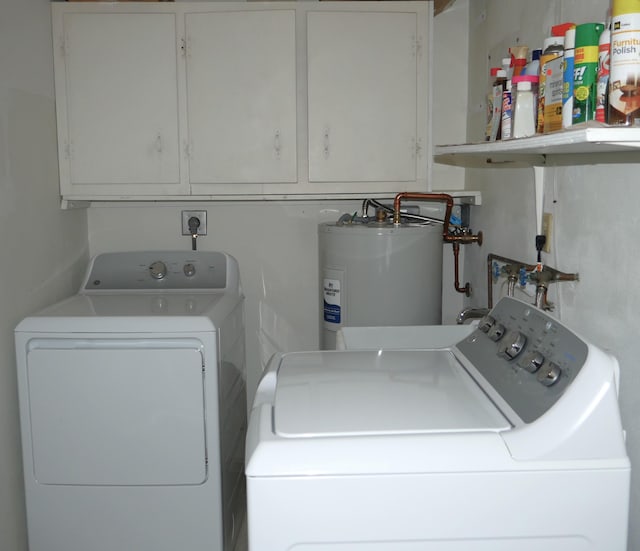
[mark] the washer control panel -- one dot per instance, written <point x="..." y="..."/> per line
<point x="527" y="356"/>
<point x="162" y="270"/>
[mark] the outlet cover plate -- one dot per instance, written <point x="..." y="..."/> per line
<point x="201" y="215"/>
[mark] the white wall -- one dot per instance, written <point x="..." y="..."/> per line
<point x="595" y="211"/>
<point x="43" y="249"/>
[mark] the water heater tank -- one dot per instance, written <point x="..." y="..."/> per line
<point x="379" y="274"/>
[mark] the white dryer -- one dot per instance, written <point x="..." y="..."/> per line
<point x="509" y="440"/>
<point x="133" y="407"/>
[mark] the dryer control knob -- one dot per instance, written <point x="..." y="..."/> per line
<point x="549" y="374"/>
<point x="158" y="270"/>
<point x="189" y="270"/>
<point x="512" y="345"/>
<point x="496" y="332"/>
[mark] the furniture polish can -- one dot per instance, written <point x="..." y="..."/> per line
<point x="624" y="76"/>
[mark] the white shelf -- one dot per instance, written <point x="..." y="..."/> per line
<point x="592" y="143"/>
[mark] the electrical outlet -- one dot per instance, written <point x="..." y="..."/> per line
<point x="200" y="215"/>
<point x="547" y="229"/>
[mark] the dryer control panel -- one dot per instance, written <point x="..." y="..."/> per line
<point x="157" y="270"/>
<point x="527" y="356"/>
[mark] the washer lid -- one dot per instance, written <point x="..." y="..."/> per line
<point x="379" y="392"/>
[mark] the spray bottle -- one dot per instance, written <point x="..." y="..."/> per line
<point x="604" y="52"/>
<point x="568" y="77"/>
<point x="552" y="64"/>
<point x="586" y="72"/>
<point x="518" y="59"/>
<point x="551" y="51"/>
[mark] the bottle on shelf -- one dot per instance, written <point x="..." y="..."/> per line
<point x="624" y="75"/>
<point x="604" y="52"/>
<point x="507" y="112"/>
<point x="551" y="65"/>
<point x="568" y="76"/>
<point x="525" y="110"/>
<point x="498" y="87"/>
<point x="518" y="59"/>
<point x="585" y="81"/>
<point x="551" y="51"/>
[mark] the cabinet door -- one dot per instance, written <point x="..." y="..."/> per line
<point x="241" y="84"/>
<point x="362" y="89"/>
<point x="117" y="94"/>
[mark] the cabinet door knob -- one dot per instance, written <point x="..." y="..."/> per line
<point x="159" y="143"/>
<point x="326" y="143"/>
<point x="276" y="144"/>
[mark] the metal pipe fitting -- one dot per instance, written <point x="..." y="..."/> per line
<point x="471" y="313"/>
<point x="542" y="276"/>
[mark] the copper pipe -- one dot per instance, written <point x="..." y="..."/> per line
<point x="467" y="287"/>
<point x="455" y="240"/>
<point x="425" y="197"/>
<point x="463" y="238"/>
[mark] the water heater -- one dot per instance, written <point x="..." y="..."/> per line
<point x="379" y="274"/>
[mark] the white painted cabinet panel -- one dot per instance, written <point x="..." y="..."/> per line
<point x="241" y="100"/>
<point x="118" y="113"/>
<point x="362" y="78"/>
<point x="241" y="82"/>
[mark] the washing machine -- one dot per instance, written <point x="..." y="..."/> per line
<point x="133" y="407"/>
<point x="509" y="439"/>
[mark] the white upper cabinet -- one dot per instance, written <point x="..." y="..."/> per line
<point x="241" y="100"/>
<point x="241" y="82"/>
<point x="362" y="78"/>
<point x="117" y="102"/>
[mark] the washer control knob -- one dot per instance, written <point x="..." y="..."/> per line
<point x="533" y="361"/>
<point x="486" y="323"/>
<point x="496" y="332"/>
<point x="158" y="270"/>
<point x="512" y="345"/>
<point x="549" y="374"/>
<point x="189" y="270"/>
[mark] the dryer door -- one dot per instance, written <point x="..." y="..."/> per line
<point x="124" y="412"/>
